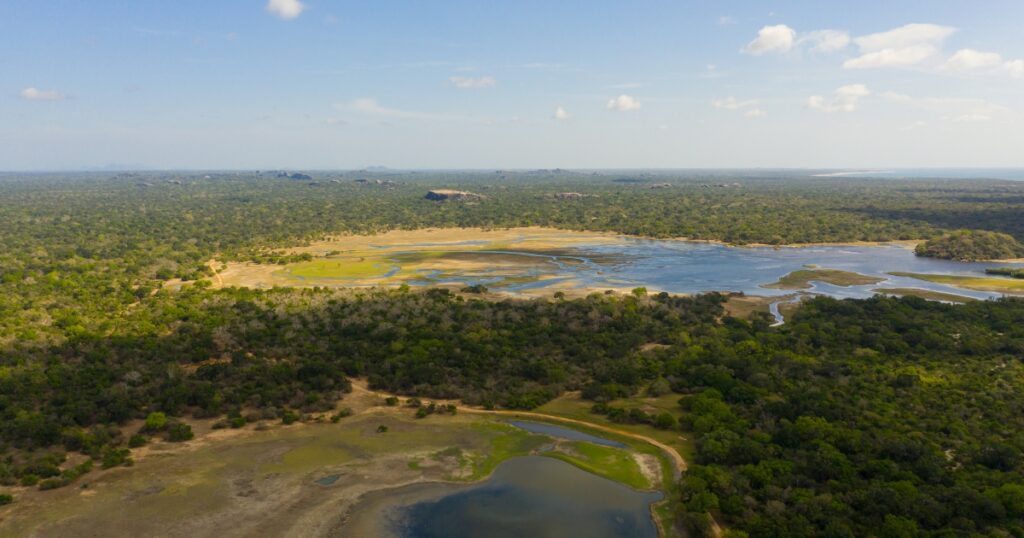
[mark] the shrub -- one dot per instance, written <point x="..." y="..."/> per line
<point x="155" y="422"/>
<point x="391" y="401"/>
<point x="346" y="412"/>
<point x="136" y="441"/>
<point x="665" y="421"/>
<point x="114" y="457"/>
<point x="6" y="498"/>
<point x="52" y="483"/>
<point x="179" y="432"/>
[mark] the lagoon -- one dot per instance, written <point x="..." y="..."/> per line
<point x="531" y="496"/>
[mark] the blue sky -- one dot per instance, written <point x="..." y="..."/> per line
<point x="502" y="84"/>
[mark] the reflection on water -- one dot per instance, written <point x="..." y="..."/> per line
<point x="530" y="496"/>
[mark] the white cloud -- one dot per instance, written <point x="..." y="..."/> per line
<point x="371" y="107"/>
<point x="916" y="125"/>
<point x="710" y="71"/>
<point x="1015" y="68"/>
<point x="905" y="46"/>
<point x="974" y="61"/>
<point x="561" y="114"/>
<point x="781" y="38"/>
<point x="844" y="99"/>
<point x="285" y="9"/>
<point x="35" y="94"/>
<point x="826" y="40"/>
<point x="731" y="103"/>
<point x="955" y="108"/>
<point x="623" y="103"/>
<point x="908" y="35"/>
<point x="891" y="58"/>
<point x="970" y="59"/>
<point x="468" y="83"/>
<point x="726" y="20"/>
<point x="972" y="118"/>
<point x="777" y="38"/>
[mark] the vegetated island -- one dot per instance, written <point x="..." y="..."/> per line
<point x="1005" y="271"/>
<point x="801" y="279"/>
<point x="972" y="245"/>
<point x="980" y="283"/>
<point x="930" y="295"/>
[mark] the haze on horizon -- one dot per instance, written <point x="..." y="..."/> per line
<point x="320" y="84"/>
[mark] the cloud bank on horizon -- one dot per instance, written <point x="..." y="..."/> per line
<point x="314" y="84"/>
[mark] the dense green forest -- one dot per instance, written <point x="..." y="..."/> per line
<point x="972" y="245"/>
<point x="856" y="417"/>
<point x="76" y="249"/>
<point x="862" y="418"/>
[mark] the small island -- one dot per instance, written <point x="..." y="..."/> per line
<point x="801" y="280"/>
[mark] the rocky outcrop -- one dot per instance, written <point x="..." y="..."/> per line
<point x="440" y="195"/>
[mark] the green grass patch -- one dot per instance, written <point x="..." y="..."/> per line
<point x="608" y="462"/>
<point x="508" y="442"/>
<point x="802" y="278"/>
<point x="340" y="268"/>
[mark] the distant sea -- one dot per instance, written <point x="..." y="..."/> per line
<point x="1011" y="174"/>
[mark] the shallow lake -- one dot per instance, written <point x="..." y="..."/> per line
<point x="679" y="266"/>
<point x="530" y="496"/>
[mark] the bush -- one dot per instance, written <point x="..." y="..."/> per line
<point x="136" y="441"/>
<point x="346" y="412"/>
<point x="114" y="457"/>
<point x="179" y="432"/>
<point x="382" y="429"/>
<point x="6" y="498"/>
<point x="289" y="417"/>
<point x="52" y="483"/>
<point x="155" y="422"/>
<point x="391" y="401"/>
<point x="29" y="480"/>
<point x="665" y="421"/>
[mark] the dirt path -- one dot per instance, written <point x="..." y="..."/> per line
<point x="216" y="274"/>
